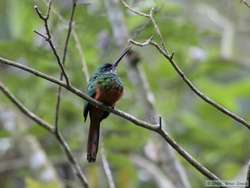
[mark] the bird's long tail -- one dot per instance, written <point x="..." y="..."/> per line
<point x="93" y="140"/>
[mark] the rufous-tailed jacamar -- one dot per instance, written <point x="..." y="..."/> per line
<point x="106" y="87"/>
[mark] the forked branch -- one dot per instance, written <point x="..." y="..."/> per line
<point x="170" y="57"/>
<point x="48" y="38"/>
<point x="140" y="123"/>
<point x="59" y="91"/>
<point x="245" y="2"/>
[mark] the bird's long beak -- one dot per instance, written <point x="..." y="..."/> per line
<point x="125" y="51"/>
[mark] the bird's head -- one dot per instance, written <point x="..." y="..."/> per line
<point x="107" y="67"/>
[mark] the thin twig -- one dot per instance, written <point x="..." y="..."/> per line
<point x="150" y="16"/>
<point x="248" y="176"/>
<point x="72" y="159"/>
<point x="106" y="168"/>
<point x="59" y="91"/>
<point x="134" y="11"/>
<point x="56" y="132"/>
<point x="245" y="2"/>
<point x="82" y="56"/>
<point x="197" y="91"/>
<point x="104" y="160"/>
<point x="121" y="114"/>
<point x="202" y="169"/>
<point x="77" y="41"/>
<point x="48" y="38"/>
<point x="163" y="50"/>
<point x="41" y="35"/>
<point x="157" y="29"/>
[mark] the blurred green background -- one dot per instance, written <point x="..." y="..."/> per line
<point x="210" y="41"/>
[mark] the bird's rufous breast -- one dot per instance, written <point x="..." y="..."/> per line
<point x="109" y="96"/>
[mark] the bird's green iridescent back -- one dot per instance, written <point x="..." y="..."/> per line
<point x="103" y="80"/>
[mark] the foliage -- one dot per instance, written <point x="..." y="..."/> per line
<point x="211" y="137"/>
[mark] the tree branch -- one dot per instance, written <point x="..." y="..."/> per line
<point x="106" y="168"/>
<point x="248" y="176"/>
<point x="72" y="159"/>
<point x="59" y="91"/>
<point x="191" y="85"/>
<point x="123" y="115"/>
<point x="50" y="129"/>
<point x="77" y="41"/>
<point x="163" y="50"/>
<point x="173" y="169"/>
<point x="105" y="163"/>
<point x="58" y="135"/>
<point x="245" y="2"/>
<point x="48" y="37"/>
<point x="134" y="11"/>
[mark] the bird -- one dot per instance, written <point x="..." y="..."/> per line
<point x="106" y="87"/>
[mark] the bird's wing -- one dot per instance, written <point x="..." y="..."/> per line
<point x="91" y="92"/>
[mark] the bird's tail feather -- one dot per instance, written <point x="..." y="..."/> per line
<point x="93" y="140"/>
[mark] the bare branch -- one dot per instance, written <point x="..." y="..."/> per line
<point x="248" y="176"/>
<point x="197" y="92"/>
<point x="49" y="9"/>
<point x="133" y="10"/>
<point x="163" y="50"/>
<point x="141" y="44"/>
<point x="69" y="31"/>
<point x="49" y="39"/>
<point x="41" y="35"/>
<point x="202" y="169"/>
<point x="78" y="44"/>
<point x="157" y="29"/>
<point x="160" y="123"/>
<point x="123" y="115"/>
<point x="106" y="168"/>
<point x="71" y="158"/>
<point x="82" y="56"/>
<point x="172" y="55"/>
<point x="63" y="62"/>
<point x="77" y="41"/>
<point x="152" y="19"/>
<point x="70" y="28"/>
<point x="57" y="132"/>
<point x="245" y="2"/>
<point x="50" y="129"/>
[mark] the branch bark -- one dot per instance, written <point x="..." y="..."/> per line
<point x="48" y="38"/>
<point x="203" y="170"/>
<point x="219" y="107"/>
<point x="172" y="167"/>
<point x="245" y="2"/>
<point x="248" y="176"/>
<point x="170" y="57"/>
<point x="106" y="168"/>
<point x="59" y="91"/>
